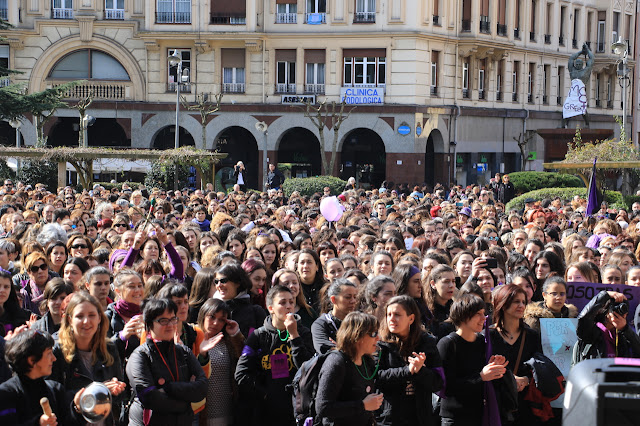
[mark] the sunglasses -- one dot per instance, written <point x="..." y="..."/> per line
<point x="42" y="267"/>
<point x="120" y="225"/>
<point x="166" y="321"/>
<point x="80" y="246"/>
<point x="221" y="281"/>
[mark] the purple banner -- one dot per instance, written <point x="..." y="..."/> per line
<point x="580" y="294"/>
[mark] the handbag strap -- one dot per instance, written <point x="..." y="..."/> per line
<point x="515" y="369"/>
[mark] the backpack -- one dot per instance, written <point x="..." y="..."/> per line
<point x="305" y="387"/>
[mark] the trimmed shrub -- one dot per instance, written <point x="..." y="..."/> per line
<point x="309" y="186"/>
<point x="613" y="198"/>
<point x="530" y="181"/>
<point x="45" y="172"/>
<point x="630" y="199"/>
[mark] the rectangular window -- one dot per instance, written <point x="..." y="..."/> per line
<point x="4" y="10"/>
<point x="4" y="62"/>
<point x="315" y="78"/>
<point x="185" y="78"/>
<point x="627" y="32"/>
<point x="514" y="81"/>
<point x="173" y="12"/>
<point x="601" y="35"/>
<point x="576" y="27"/>
<point x="481" y="81"/>
<point x="365" y="11"/>
<point x="499" y="80"/>
<point x="609" y="93"/>
<point x="560" y="92"/>
<point x="465" y="78"/>
<point x="365" y="67"/>
<point x="435" y="57"/>
<point x="286" y="13"/>
<point x="518" y="20"/>
<point x="533" y="22"/>
<point x="436" y="12"/>
<point x="233" y="70"/>
<point x="225" y="12"/>
<point x="316" y="12"/>
<point x="62" y="9"/>
<point x="549" y="29"/>
<point x="530" y="82"/>
<point x="598" y="89"/>
<point x="286" y="71"/>
<point x="485" y="23"/>
<point x="114" y="9"/>
<point x="466" y="15"/>
<point x="545" y="85"/>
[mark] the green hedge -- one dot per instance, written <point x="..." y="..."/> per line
<point x="630" y="199"/>
<point x="614" y="198"/>
<point x="309" y="186"/>
<point x="530" y="181"/>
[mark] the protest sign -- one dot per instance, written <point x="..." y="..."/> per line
<point x="580" y="294"/>
<point x="558" y="336"/>
<point x="576" y="101"/>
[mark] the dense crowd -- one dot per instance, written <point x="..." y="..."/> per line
<point x="419" y="306"/>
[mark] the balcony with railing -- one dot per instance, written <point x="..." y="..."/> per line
<point x="610" y="104"/>
<point x="314" y="88"/>
<point x="545" y="99"/>
<point x="434" y="90"/>
<point x="530" y="98"/>
<point x="173" y="17"/>
<point x="598" y="103"/>
<point x="532" y="36"/>
<point x="5" y="81"/>
<point x="285" y="88"/>
<point x="316" y="18"/>
<point x="465" y="93"/>
<point x="114" y="14"/>
<point x="501" y="30"/>
<point x="588" y="43"/>
<point x="561" y="40"/>
<point x="628" y="46"/>
<point x="185" y="87"/>
<point x="364" y="18"/>
<point x="574" y="43"/>
<point x="286" y="18"/>
<point x="481" y="94"/>
<point x="228" y="19"/>
<point x="108" y="90"/>
<point x="514" y="97"/>
<point x="559" y="100"/>
<point x="485" y="25"/>
<point x="466" y="25"/>
<point x="516" y="33"/>
<point x="62" y="13"/>
<point x="4" y="14"/>
<point x="233" y="87"/>
<point x="601" y="46"/>
<point x="547" y="39"/>
<point x="436" y="20"/>
<point x="498" y="96"/>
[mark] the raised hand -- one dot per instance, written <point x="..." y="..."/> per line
<point x="416" y="362"/>
<point x="208" y="344"/>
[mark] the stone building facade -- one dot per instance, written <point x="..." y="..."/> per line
<point x="442" y="88"/>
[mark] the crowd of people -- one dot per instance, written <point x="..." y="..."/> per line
<point x="199" y="307"/>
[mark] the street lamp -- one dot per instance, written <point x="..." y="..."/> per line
<point x="620" y="48"/>
<point x="175" y="60"/>
<point x="15" y="123"/>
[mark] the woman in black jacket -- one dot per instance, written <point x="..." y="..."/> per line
<point x="31" y="358"/>
<point x="55" y="292"/>
<point x="165" y="377"/>
<point x="347" y="380"/>
<point x="341" y="298"/>
<point x="410" y="366"/>
<point x="83" y="353"/>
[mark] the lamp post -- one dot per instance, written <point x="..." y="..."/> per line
<point x="175" y="60"/>
<point x="15" y="123"/>
<point x="620" y="49"/>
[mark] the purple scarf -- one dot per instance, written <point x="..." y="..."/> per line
<point x="609" y="339"/>
<point x="126" y="309"/>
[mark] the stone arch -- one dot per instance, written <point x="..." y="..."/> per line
<point x="301" y="148"/>
<point x="105" y="132"/>
<point x="363" y="156"/>
<point x="144" y="136"/>
<point x="241" y="145"/>
<point x="67" y="45"/>
<point x="164" y="138"/>
<point x="433" y="157"/>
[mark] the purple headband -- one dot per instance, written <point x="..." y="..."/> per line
<point x="413" y="270"/>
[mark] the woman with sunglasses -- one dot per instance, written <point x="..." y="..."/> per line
<point x="120" y="225"/>
<point x="233" y="286"/>
<point x="36" y="267"/>
<point x="83" y="353"/>
<point x="410" y="366"/>
<point x="79" y="246"/>
<point x="57" y="254"/>
<point x="347" y="380"/>
<point x="165" y="377"/>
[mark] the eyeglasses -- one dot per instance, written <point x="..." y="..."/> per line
<point x="166" y="321"/>
<point x="221" y="281"/>
<point x="35" y="269"/>
<point x="492" y="238"/>
<point x="80" y="246"/>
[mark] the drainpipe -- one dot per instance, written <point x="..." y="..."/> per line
<point x="264" y="48"/>
<point x="524" y="130"/>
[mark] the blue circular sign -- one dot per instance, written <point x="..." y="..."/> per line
<point x="404" y="129"/>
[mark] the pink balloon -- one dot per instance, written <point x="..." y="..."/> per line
<point x="331" y="209"/>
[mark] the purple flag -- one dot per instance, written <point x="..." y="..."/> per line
<point x="592" y="200"/>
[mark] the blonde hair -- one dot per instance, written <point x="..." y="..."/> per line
<point x="67" y="339"/>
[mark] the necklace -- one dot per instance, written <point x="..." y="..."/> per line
<point x="364" y="376"/>
<point x="286" y="337"/>
<point x="175" y="357"/>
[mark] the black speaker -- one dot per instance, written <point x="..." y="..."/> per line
<point x="603" y="392"/>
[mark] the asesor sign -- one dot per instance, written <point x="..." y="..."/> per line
<point x="362" y="95"/>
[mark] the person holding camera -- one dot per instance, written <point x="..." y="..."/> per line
<point x="603" y="331"/>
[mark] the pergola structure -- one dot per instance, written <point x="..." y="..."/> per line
<point x="82" y="159"/>
<point x="582" y="169"/>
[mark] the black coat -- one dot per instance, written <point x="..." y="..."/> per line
<point x="170" y="403"/>
<point x="247" y="315"/>
<point x="20" y="402"/>
<point x="275" y="179"/>
<point x="46" y="324"/>
<point x="270" y="399"/>
<point x="325" y="329"/>
<point x="589" y="333"/>
<point x="74" y="377"/>
<point x="407" y="397"/>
